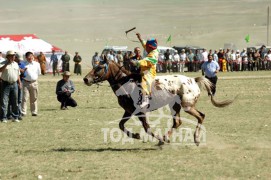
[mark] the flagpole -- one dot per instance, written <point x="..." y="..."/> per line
<point x="267" y="25"/>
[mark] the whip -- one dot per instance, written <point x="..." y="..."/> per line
<point x="126" y="32"/>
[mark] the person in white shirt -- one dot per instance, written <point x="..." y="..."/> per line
<point x="244" y="59"/>
<point x="30" y="84"/>
<point x="204" y="55"/>
<point x="238" y="61"/>
<point x="268" y="60"/>
<point x="215" y="56"/>
<point x="182" y="60"/>
<point x="176" y="60"/>
<point x="110" y="56"/>
<point x="232" y="61"/>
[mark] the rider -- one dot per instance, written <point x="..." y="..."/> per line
<point x="147" y="67"/>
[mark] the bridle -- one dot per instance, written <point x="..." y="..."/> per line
<point x="101" y="78"/>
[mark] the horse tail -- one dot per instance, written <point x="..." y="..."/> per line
<point x="204" y="82"/>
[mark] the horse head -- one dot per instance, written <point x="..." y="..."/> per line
<point x="98" y="74"/>
<point x="110" y="70"/>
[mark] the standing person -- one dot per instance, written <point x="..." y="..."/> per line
<point x="204" y="57"/>
<point x="77" y="64"/>
<point x="262" y="59"/>
<point x="95" y="60"/>
<point x="119" y="58"/>
<point x="257" y="57"/>
<point x="10" y="81"/>
<point x="227" y="57"/>
<point x="215" y="57"/>
<point x="220" y="56"/>
<point x="250" y="61"/>
<point x="65" y="58"/>
<point x="64" y="89"/>
<point x="238" y="60"/>
<point x="268" y="60"/>
<point x="244" y="60"/>
<point x="42" y="60"/>
<point x="147" y="69"/>
<point x="210" y="68"/>
<point x="1" y="57"/>
<point x="1" y="61"/>
<point x="197" y="59"/>
<point x="30" y="84"/>
<point x="190" y="58"/>
<point x="176" y="60"/>
<point x="135" y="58"/>
<point x="182" y="60"/>
<point x="19" y="60"/>
<point x="232" y="61"/>
<point x="54" y="59"/>
<point x="167" y="60"/>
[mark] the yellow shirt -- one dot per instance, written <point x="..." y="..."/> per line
<point x="148" y="69"/>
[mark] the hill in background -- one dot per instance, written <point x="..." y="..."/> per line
<point x="87" y="26"/>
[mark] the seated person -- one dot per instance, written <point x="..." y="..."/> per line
<point x="64" y="89"/>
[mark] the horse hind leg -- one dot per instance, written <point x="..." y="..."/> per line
<point x="126" y="116"/>
<point x="200" y="117"/>
<point x="175" y="112"/>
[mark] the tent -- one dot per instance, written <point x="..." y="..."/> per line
<point x="29" y="42"/>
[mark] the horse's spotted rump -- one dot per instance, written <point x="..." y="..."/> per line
<point x="183" y="86"/>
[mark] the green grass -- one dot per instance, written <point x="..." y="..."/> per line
<point x="69" y="144"/>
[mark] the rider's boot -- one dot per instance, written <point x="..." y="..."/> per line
<point x="145" y="101"/>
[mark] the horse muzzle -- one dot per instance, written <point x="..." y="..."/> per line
<point x="88" y="82"/>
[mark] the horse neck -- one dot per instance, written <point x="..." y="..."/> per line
<point x="116" y="76"/>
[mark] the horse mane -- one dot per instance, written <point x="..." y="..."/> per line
<point x="125" y="71"/>
<point x="122" y="68"/>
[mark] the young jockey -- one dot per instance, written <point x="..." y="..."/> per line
<point x="147" y="68"/>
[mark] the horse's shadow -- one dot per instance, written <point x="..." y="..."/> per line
<point x="109" y="149"/>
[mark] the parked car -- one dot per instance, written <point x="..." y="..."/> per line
<point x="115" y="49"/>
<point x="187" y="48"/>
<point x="254" y="48"/>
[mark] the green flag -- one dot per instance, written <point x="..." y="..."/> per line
<point x="169" y="39"/>
<point x="247" y="38"/>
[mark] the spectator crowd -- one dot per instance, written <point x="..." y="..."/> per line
<point x="190" y="60"/>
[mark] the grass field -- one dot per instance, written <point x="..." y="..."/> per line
<point x="69" y="144"/>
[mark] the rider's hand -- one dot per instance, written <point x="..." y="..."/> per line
<point x="134" y="63"/>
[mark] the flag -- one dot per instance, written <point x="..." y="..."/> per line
<point x="169" y="39"/>
<point x="247" y="38"/>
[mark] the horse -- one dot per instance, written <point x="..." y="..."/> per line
<point x="177" y="91"/>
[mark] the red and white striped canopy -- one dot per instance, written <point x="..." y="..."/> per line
<point x="25" y="42"/>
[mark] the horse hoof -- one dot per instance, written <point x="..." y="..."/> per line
<point x="197" y="141"/>
<point x="136" y="136"/>
<point x="160" y="143"/>
<point x="166" y="139"/>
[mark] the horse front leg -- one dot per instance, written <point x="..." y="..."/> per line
<point x="147" y="128"/>
<point x="126" y="116"/>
